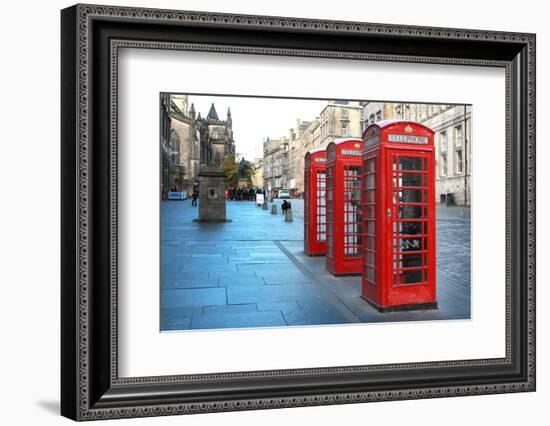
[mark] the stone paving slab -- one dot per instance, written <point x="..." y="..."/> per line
<point x="251" y="319"/>
<point x="176" y="323"/>
<point x="190" y="283"/>
<point x="168" y="313"/>
<point x="213" y="268"/>
<point x="197" y="297"/>
<point x="261" y="267"/>
<point x="230" y="309"/>
<point x="249" y="260"/>
<point x="315" y="316"/>
<point x="283" y="307"/>
<point x="242" y="281"/>
<point x="302" y="281"/>
<point x="267" y="253"/>
<point x="208" y="255"/>
<point x="177" y="267"/>
<point x="347" y="288"/>
<point x="186" y="273"/>
<point x="233" y="275"/>
<point x="277" y="274"/>
<point x="314" y="303"/>
<point x="263" y="294"/>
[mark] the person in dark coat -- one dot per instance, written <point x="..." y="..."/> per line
<point x="285" y="206"/>
<point x="195" y="195"/>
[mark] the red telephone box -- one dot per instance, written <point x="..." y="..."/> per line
<point x="344" y="206"/>
<point x="398" y="189"/>
<point x="315" y="203"/>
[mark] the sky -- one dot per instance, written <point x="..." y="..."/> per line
<point x="254" y="119"/>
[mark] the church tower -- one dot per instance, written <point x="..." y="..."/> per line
<point x="216" y="136"/>
<point x="229" y="119"/>
<point x="212" y="114"/>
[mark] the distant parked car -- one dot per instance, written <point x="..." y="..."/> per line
<point x="284" y="193"/>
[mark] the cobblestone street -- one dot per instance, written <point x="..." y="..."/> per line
<point x="252" y="272"/>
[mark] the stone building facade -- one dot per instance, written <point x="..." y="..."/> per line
<point x="275" y="164"/>
<point x="339" y="119"/>
<point x="452" y="139"/>
<point x="295" y="160"/>
<point x="453" y="150"/>
<point x="284" y="158"/>
<point x="258" y="176"/>
<point x="189" y="141"/>
<point x="185" y="145"/>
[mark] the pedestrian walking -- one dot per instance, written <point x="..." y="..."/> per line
<point x="194" y="196"/>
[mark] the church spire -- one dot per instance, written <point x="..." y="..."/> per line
<point x="192" y="111"/>
<point x="212" y="114"/>
<point x="229" y="119"/>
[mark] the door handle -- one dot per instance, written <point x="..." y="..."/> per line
<point x="388" y="212"/>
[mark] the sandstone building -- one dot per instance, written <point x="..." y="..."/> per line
<point x="284" y="157"/>
<point x="189" y="141"/>
<point x="275" y="164"/>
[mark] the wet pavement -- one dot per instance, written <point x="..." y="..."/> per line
<point x="252" y="272"/>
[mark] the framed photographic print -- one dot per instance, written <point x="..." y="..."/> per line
<point x="263" y="212"/>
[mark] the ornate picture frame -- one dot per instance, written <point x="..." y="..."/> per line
<point x="90" y="39"/>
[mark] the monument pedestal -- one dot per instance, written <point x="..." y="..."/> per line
<point x="211" y="195"/>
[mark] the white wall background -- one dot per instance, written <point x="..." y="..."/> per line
<point x="29" y="213"/>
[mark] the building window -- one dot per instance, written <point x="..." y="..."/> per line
<point x="345" y="129"/>
<point x="443" y="153"/>
<point x="459" y="162"/>
<point x="458" y="150"/>
<point x="378" y="116"/>
<point x="458" y="137"/>
<point x="443" y="142"/>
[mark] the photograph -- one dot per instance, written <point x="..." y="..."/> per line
<point x="284" y="212"/>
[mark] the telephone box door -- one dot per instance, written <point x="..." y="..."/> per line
<point x="410" y="227"/>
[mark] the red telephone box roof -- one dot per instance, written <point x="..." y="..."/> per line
<point x="402" y="130"/>
<point x="397" y="123"/>
<point x="345" y="147"/>
<point x="315" y="150"/>
<point x="338" y="141"/>
<point x="312" y="154"/>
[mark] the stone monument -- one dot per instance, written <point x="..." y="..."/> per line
<point x="211" y="195"/>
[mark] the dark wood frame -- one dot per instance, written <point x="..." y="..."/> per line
<point x="90" y="386"/>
